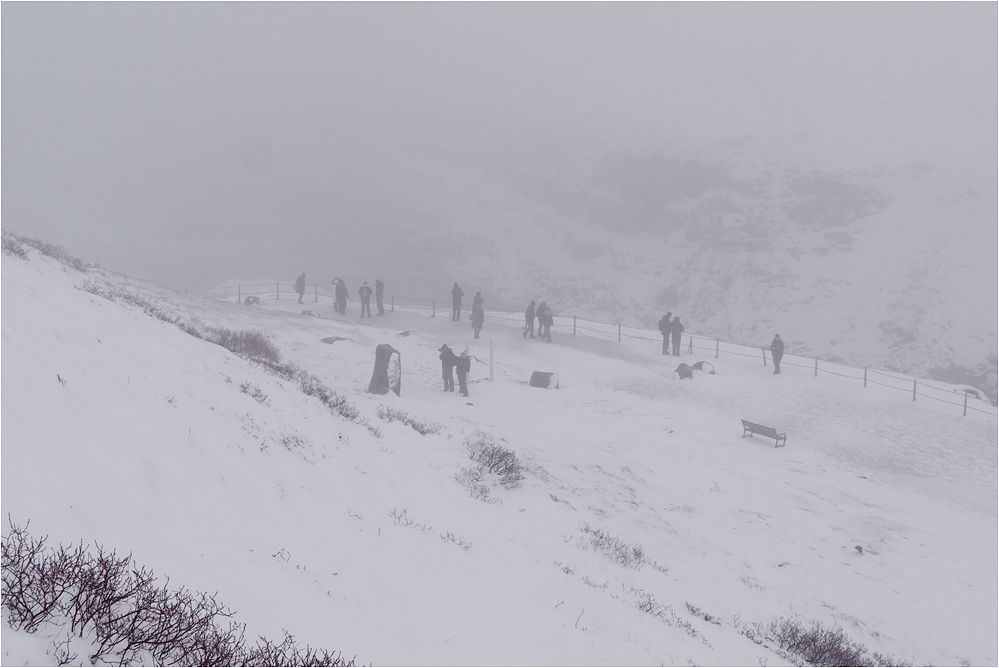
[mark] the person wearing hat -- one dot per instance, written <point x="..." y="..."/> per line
<point x="448" y="361"/>
<point x="665" y="327"/>
<point x="777" y="349"/>
<point x="456" y="295"/>
<point x="478" y="314"/>
<point x="300" y="287"/>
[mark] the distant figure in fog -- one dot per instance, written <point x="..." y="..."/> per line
<point x="545" y="320"/>
<point x="463" y="366"/>
<point x="676" y="329"/>
<point x="456" y="295"/>
<point x="380" y="296"/>
<point x="478" y="314"/>
<point x="529" y="320"/>
<point x="448" y="361"/>
<point x="665" y="328"/>
<point x="777" y="348"/>
<point x="341" y="296"/>
<point x="365" y="294"/>
<point x="300" y="287"/>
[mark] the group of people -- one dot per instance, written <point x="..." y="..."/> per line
<point x="340" y="295"/>
<point x="449" y="363"/>
<point x="478" y="312"/>
<point x="543" y="312"/>
<point x="671" y="329"/>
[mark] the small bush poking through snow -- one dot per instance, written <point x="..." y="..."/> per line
<point x="246" y="387"/>
<point x="813" y="645"/>
<point x="13" y="246"/>
<point x="123" y="617"/>
<point x="612" y="547"/>
<point x="494" y="458"/>
<point x="390" y="414"/>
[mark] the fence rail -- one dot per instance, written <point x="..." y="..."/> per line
<point x="619" y="331"/>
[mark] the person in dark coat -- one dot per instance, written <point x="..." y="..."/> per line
<point x="380" y="296"/>
<point x="463" y="366"/>
<point x="456" y="295"/>
<point x="676" y="329"/>
<point x="665" y="328"/>
<point x="365" y="294"/>
<point x="300" y="287"/>
<point x="448" y="360"/>
<point x="529" y="320"/>
<point x="478" y="314"/>
<point x="341" y="296"/>
<point x="777" y="349"/>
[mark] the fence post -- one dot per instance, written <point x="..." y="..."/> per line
<point x="239" y="293"/>
<point x="316" y="285"/>
<point x="865" y="376"/>
<point x="574" y="325"/>
<point x="392" y="299"/>
<point x="965" y="403"/>
<point x="690" y="345"/>
<point x="913" y="389"/>
<point x="619" y="332"/>
<point x="492" y="360"/>
<point x="277" y="290"/>
<point x="764" y="355"/>
<point x="716" y="348"/>
<point x="816" y="367"/>
<point x="433" y="308"/>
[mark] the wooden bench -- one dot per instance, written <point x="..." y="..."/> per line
<point x="750" y="428"/>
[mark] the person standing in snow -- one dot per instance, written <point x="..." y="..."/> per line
<point x="664" y="328"/>
<point x="478" y="314"/>
<point x="341" y="296"/>
<point x="448" y="361"/>
<point x="463" y="366"/>
<point x="365" y="294"/>
<point x="777" y="349"/>
<point x="380" y="296"/>
<point x="300" y="287"/>
<point x="676" y="329"/>
<point x="456" y="294"/>
<point x="529" y="320"/>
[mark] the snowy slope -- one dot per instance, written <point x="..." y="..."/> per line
<point x="122" y="430"/>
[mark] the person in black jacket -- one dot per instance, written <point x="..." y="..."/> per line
<point x="380" y="295"/>
<point x="529" y="320"/>
<point x="448" y="360"/>
<point x="478" y="314"/>
<point x="456" y="295"/>
<point x="676" y="329"/>
<point x="365" y="294"/>
<point x="300" y="287"/>
<point x="341" y="296"/>
<point x="777" y="348"/>
<point x="664" y="328"/>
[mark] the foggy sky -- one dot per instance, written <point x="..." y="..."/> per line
<point x="183" y="142"/>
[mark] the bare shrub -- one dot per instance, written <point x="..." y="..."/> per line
<point x="612" y="547"/>
<point x="471" y="479"/>
<point x="390" y="414"/>
<point x="13" y="246"/>
<point x="45" y="248"/>
<point x="254" y="391"/>
<point x="494" y="458"/>
<point x="813" y="644"/>
<point x="250" y="344"/>
<point x="124" y="617"/>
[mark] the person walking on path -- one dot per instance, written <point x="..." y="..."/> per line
<point x="676" y="329"/>
<point x="478" y="314"/>
<point x="300" y="287"/>
<point x="448" y="361"/>
<point x="365" y="294"/>
<point x="380" y="296"/>
<point x="456" y="294"/>
<point x="777" y="349"/>
<point x="545" y="320"/>
<point x="529" y="320"/>
<point x="463" y="366"/>
<point x="665" y="328"/>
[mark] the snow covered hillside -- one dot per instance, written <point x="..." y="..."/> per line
<point x="645" y="531"/>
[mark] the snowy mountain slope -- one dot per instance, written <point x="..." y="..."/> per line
<point x="885" y="264"/>
<point x="121" y="429"/>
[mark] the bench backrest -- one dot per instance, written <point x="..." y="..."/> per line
<point x="760" y="429"/>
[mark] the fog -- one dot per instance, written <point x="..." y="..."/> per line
<point x="192" y="143"/>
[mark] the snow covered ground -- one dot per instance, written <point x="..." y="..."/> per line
<point x="121" y="430"/>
